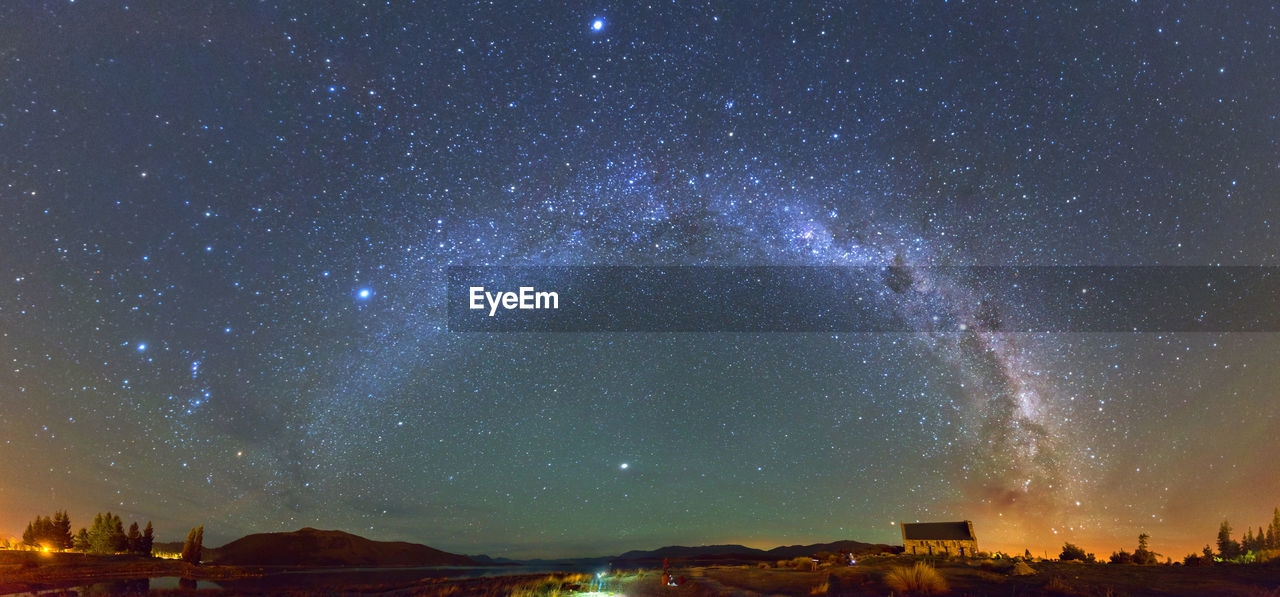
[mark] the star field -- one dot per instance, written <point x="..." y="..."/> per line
<point x="224" y="232"/>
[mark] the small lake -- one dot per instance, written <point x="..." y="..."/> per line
<point x="321" y="579"/>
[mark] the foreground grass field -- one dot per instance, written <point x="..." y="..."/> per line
<point x="897" y="576"/>
<point x="878" y="576"/>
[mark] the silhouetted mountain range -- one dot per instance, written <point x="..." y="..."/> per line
<point x="704" y="554"/>
<point x="312" y="547"/>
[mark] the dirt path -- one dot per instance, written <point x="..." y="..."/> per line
<point x="699" y="577"/>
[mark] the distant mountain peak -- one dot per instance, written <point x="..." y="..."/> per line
<point x="315" y="547"/>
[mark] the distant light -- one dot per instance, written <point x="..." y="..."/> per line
<point x="142" y="346"/>
<point x="597" y="24"/>
<point x="364" y="293"/>
<point x="624" y="466"/>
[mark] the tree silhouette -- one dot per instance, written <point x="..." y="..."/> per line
<point x="107" y="534"/>
<point x="148" y="539"/>
<point x="133" y="541"/>
<point x="119" y="541"/>
<point x="1228" y="548"/>
<point x="61" y="530"/>
<point x="1121" y="557"/>
<point x="49" y="533"/>
<point x="1143" y="555"/>
<point x="1273" y="531"/>
<point x="192" y="548"/>
<point x="1072" y="552"/>
<point x="81" y="541"/>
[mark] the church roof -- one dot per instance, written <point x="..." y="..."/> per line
<point x="937" y="531"/>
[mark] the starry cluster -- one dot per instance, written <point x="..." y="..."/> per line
<point x="224" y="230"/>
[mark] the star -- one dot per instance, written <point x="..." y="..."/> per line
<point x="597" y="25"/>
<point x="364" y="294"/>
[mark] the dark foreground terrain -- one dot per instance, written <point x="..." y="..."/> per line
<point x="28" y="571"/>
<point x="879" y="576"/>
<point x="960" y="578"/>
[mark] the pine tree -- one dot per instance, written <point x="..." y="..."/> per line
<point x="133" y="541"/>
<point x="107" y="534"/>
<point x="81" y="542"/>
<point x="1142" y="555"/>
<point x="97" y="535"/>
<point x="1273" y="532"/>
<point x="148" y="539"/>
<point x="62" y="528"/>
<point x="188" y="547"/>
<point x="199" y="545"/>
<point x="119" y="541"/>
<point x="1228" y="548"/>
<point x="29" y="535"/>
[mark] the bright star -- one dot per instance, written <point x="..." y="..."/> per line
<point x="624" y="466"/>
<point x="597" y="24"/>
<point x="142" y="347"/>
<point x="364" y="294"/>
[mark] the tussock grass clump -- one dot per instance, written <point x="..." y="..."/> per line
<point x="920" y="579"/>
<point x="551" y="586"/>
<point x="1057" y="586"/>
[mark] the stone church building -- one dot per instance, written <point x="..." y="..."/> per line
<point x="939" y="538"/>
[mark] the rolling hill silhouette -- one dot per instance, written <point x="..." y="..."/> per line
<point x="313" y="547"/>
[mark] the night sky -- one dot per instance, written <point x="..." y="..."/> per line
<point x="224" y="233"/>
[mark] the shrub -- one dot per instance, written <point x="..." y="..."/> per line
<point x="920" y="579"/>
<point x="1121" y="557"/>
<point x="1144" y="558"/>
<point x="1072" y="552"/>
<point x="802" y="563"/>
<point x="1268" y="555"/>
